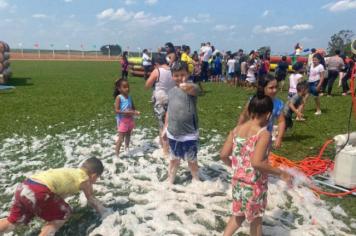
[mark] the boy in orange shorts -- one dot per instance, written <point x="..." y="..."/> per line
<point x="40" y="195"/>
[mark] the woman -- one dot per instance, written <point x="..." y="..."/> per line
<point x="350" y="65"/>
<point x="334" y="64"/>
<point x="161" y="79"/>
<point x="185" y="57"/>
<point x="171" y="54"/>
<point x="316" y="78"/>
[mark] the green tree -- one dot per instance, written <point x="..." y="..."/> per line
<point x="261" y="50"/>
<point x="114" y="49"/>
<point x="340" y="41"/>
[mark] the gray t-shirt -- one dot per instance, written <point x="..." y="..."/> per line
<point x="182" y="110"/>
<point x="296" y="99"/>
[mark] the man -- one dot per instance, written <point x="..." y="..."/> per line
<point x="207" y="53"/>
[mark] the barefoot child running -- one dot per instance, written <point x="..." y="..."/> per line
<point x="181" y="125"/>
<point x="249" y="145"/>
<point x="125" y="111"/>
<point x="40" y="195"/>
<point x="269" y="86"/>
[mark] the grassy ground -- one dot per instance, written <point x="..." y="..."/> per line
<point x="48" y="93"/>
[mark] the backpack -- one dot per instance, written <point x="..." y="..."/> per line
<point x="237" y="66"/>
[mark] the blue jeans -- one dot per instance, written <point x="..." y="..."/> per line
<point x="312" y="88"/>
<point x="182" y="150"/>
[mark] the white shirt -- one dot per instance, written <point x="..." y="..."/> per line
<point x="297" y="52"/>
<point x="207" y="53"/>
<point x="231" y="65"/>
<point x="315" y="72"/>
<point x="251" y="72"/>
<point x="293" y="81"/>
<point x="215" y="52"/>
<point x="145" y="59"/>
<point x="310" y="59"/>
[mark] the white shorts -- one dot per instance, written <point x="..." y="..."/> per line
<point x="251" y="79"/>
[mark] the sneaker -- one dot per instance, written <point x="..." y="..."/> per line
<point x="349" y="91"/>
<point x="343" y="94"/>
<point x="318" y="113"/>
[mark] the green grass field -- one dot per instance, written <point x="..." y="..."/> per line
<point x="52" y="97"/>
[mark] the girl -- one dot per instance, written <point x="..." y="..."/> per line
<point x="249" y="145"/>
<point x="316" y="78"/>
<point x="197" y="79"/>
<point x="294" y="79"/>
<point x="124" y="65"/>
<point x="251" y="74"/>
<point x="171" y="54"/>
<point x="269" y="86"/>
<point x="125" y="111"/>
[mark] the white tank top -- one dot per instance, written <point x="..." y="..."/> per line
<point x="164" y="83"/>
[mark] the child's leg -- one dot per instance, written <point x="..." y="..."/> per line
<point x="234" y="224"/>
<point x="119" y="142"/>
<point x="201" y="88"/>
<point x="176" y="155"/>
<point x="127" y="140"/>
<point x="317" y="103"/>
<point x="282" y="86"/>
<point x="52" y="227"/>
<point x="165" y="143"/>
<point x="6" y="226"/>
<point x="256" y="227"/>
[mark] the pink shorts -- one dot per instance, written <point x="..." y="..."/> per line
<point x="125" y="124"/>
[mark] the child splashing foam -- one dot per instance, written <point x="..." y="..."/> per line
<point x="181" y="126"/>
<point x="125" y="111"/>
<point x="249" y="145"/>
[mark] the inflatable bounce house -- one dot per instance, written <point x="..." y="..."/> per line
<point x="5" y="71"/>
<point x="136" y="68"/>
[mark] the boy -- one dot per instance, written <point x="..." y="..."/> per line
<point x="218" y="67"/>
<point x="40" y="195"/>
<point x="213" y="70"/>
<point x="296" y="104"/>
<point x="231" y="71"/>
<point x="181" y="126"/>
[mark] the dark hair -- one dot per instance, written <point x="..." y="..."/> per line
<point x="240" y="50"/>
<point x="337" y="52"/>
<point x="159" y="58"/>
<point x="208" y="43"/>
<point x="284" y="58"/>
<point x="171" y="47"/>
<point x="118" y="84"/>
<point x="313" y="50"/>
<point x="93" y="165"/>
<point x="179" y="65"/>
<point x="218" y="54"/>
<point x="202" y="44"/>
<point x="260" y="104"/>
<point x="343" y="57"/>
<point x="228" y="53"/>
<point x="145" y="50"/>
<point x="252" y="52"/>
<point x="214" y="57"/>
<point x="261" y="56"/>
<point x="185" y="48"/>
<point x="264" y="81"/>
<point x="302" y="85"/>
<point x="320" y="58"/>
<point x="297" y="66"/>
<point x="251" y="62"/>
<point x="212" y="48"/>
<point x="124" y="58"/>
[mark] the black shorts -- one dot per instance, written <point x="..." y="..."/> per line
<point x="237" y="74"/>
<point x="242" y="77"/>
<point x="124" y="73"/>
<point x="197" y="78"/>
<point x="281" y="77"/>
<point x="212" y="72"/>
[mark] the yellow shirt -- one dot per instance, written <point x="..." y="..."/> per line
<point x="62" y="181"/>
<point x="186" y="58"/>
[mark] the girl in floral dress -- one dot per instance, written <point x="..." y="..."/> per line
<point x="249" y="145"/>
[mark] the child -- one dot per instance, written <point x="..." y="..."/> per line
<point x="218" y="67"/>
<point x="269" y="85"/>
<point x="244" y="72"/>
<point x="249" y="145"/>
<point x="181" y="125"/>
<point x="294" y="79"/>
<point x="213" y="70"/>
<point x="305" y="69"/>
<point x="124" y="65"/>
<point x="197" y="72"/>
<point x="231" y="69"/>
<point x="276" y="70"/>
<point x="227" y="58"/>
<point x="295" y="102"/>
<point x="251" y="75"/>
<point x="41" y="195"/>
<point x="125" y="111"/>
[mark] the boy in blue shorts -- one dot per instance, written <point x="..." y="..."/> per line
<point x="181" y="126"/>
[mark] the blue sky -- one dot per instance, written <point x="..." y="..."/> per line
<point x="227" y="24"/>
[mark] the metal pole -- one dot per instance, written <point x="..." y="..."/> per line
<point x="333" y="186"/>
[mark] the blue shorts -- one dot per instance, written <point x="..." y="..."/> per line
<point x="218" y="71"/>
<point x="182" y="150"/>
<point x="312" y="88"/>
<point x="231" y="75"/>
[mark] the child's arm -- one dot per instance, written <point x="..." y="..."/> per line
<point x="164" y="134"/>
<point x="118" y="111"/>
<point x="261" y="165"/>
<point x="87" y="188"/>
<point x="134" y="109"/>
<point x="292" y="107"/>
<point x="244" y="115"/>
<point x="281" y="128"/>
<point x="226" y="151"/>
<point x="152" y="79"/>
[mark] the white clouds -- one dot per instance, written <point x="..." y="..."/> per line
<point x="189" y="20"/>
<point x="67" y="0"/>
<point x="282" y="30"/>
<point x="264" y="14"/>
<point x="305" y="39"/>
<point x="178" y="28"/>
<point x="340" y="6"/>
<point x="223" y="27"/>
<point x="151" y="2"/>
<point x="202" y="18"/>
<point x="120" y="14"/>
<point x="141" y="15"/>
<point x="39" y="16"/>
<point x="72" y="16"/>
<point x="303" y="27"/>
<point x="130" y="2"/>
<point x="3" y="4"/>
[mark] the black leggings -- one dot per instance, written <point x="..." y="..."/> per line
<point x="204" y="71"/>
<point x="146" y="68"/>
<point x="345" y="86"/>
<point x="333" y="74"/>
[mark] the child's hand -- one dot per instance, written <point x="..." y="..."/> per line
<point x="135" y="113"/>
<point x="106" y="213"/>
<point x="164" y="133"/>
<point x="299" y="114"/>
<point x="287" y="178"/>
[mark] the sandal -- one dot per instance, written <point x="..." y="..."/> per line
<point x="300" y="119"/>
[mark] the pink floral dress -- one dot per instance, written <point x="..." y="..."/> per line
<point x="249" y="186"/>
